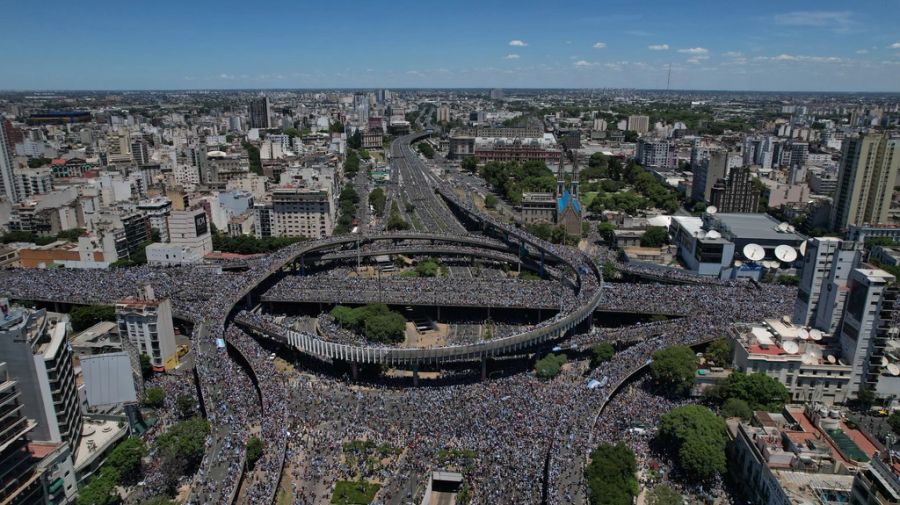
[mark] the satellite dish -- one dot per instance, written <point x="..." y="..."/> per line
<point x="803" y="334"/>
<point x="774" y="265"/>
<point x="815" y="335"/>
<point x="712" y="234"/>
<point x="712" y="209"/>
<point x="754" y="252"/>
<point x="785" y="253"/>
<point x="803" y="248"/>
<point x="738" y="263"/>
<point x="884" y="361"/>
<point x="783" y="226"/>
<point x="791" y="229"/>
<point x="700" y="234"/>
<point x="831" y="359"/>
<point x="893" y="369"/>
<point x="809" y="359"/>
<point x="791" y="347"/>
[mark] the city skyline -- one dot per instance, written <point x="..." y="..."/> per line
<point x="764" y="46"/>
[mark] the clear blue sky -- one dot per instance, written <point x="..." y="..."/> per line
<point x="164" y="44"/>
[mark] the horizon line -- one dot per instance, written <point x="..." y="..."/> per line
<point x="436" y="88"/>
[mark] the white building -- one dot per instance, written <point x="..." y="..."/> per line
<point x="823" y="280"/>
<point x="147" y="323"/>
<point x="190" y="239"/>
<point x="33" y="181"/>
<point x="794" y="357"/>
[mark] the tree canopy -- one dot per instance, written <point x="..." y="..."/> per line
<point x="181" y="447"/>
<point x="154" y="397"/>
<point x="697" y="438"/>
<point x="601" y="353"/>
<point x="511" y="179"/>
<point x="718" y="352"/>
<point x="83" y="317"/>
<point x="469" y="164"/>
<point x="377" y="200"/>
<point x="611" y="475"/>
<point x="760" y="391"/>
<point x="126" y="457"/>
<point x="663" y="494"/>
<point x="655" y="236"/>
<point x="735" y="407"/>
<point x="376" y="321"/>
<point x="550" y="365"/>
<point x="674" y="367"/>
<point x="254" y="450"/>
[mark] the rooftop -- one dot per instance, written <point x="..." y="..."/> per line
<point x="755" y="227"/>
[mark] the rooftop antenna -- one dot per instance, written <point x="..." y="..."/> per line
<point x="669" y="77"/>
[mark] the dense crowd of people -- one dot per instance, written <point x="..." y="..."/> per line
<point x="516" y="438"/>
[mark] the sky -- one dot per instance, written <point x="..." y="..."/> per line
<point x="198" y="44"/>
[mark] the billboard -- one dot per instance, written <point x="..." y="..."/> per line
<point x="108" y="379"/>
<point x="200" y="224"/>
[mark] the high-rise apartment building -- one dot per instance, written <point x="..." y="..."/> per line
<point x="707" y="172"/>
<point x="190" y="239"/>
<point x="7" y="183"/>
<point x="20" y="481"/>
<point x="859" y="331"/>
<point x="640" y="124"/>
<point x="260" y="113"/>
<point x="655" y="153"/>
<point x="34" y="346"/>
<point x="146" y="322"/>
<point x="301" y="212"/>
<point x="737" y="193"/>
<point x="823" y="281"/>
<point x="869" y="167"/>
<point x="443" y="114"/>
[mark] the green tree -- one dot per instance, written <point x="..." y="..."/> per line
<point x="894" y="421"/>
<point x="469" y="164"/>
<point x="611" y="475"/>
<point x="674" y="368"/>
<point x="146" y="366"/>
<point x="550" y="365"/>
<point x="395" y="220"/>
<point x="426" y="150"/>
<point x="697" y="437"/>
<point x="601" y="353"/>
<point x="154" y="397"/>
<point x="355" y="140"/>
<point x="253" y="156"/>
<point x="38" y="162"/>
<point x="254" y="451"/>
<point x="428" y="267"/>
<point x="760" y="391"/>
<point x="83" y="317"/>
<point x="126" y="457"/>
<point x="718" y="352"/>
<point x="101" y="489"/>
<point x="664" y="494"/>
<point x="735" y="407"/>
<point x="631" y="136"/>
<point x="336" y="127"/>
<point x="181" y="447"/>
<point x="655" y="236"/>
<point x="378" y="200"/>
<point x="185" y="405"/>
<point x="351" y="164"/>
<point x="364" y="154"/>
<point x="490" y="201"/>
<point x="866" y="398"/>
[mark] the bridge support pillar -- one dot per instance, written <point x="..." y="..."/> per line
<point x="354" y="370"/>
<point x="483" y="368"/>
<point x="415" y="374"/>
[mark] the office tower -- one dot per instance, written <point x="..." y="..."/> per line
<point x="7" y="184"/>
<point x="19" y="482"/>
<point x="823" y="280"/>
<point x="190" y="240"/>
<point x="146" y="322"/>
<point x="140" y="152"/>
<point x="707" y="173"/>
<point x="866" y="178"/>
<point x="443" y="114"/>
<point x="260" y="113"/>
<point x="34" y="346"/>
<point x="859" y="335"/>
<point x="640" y="124"/>
<point x="737" y="193"/>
